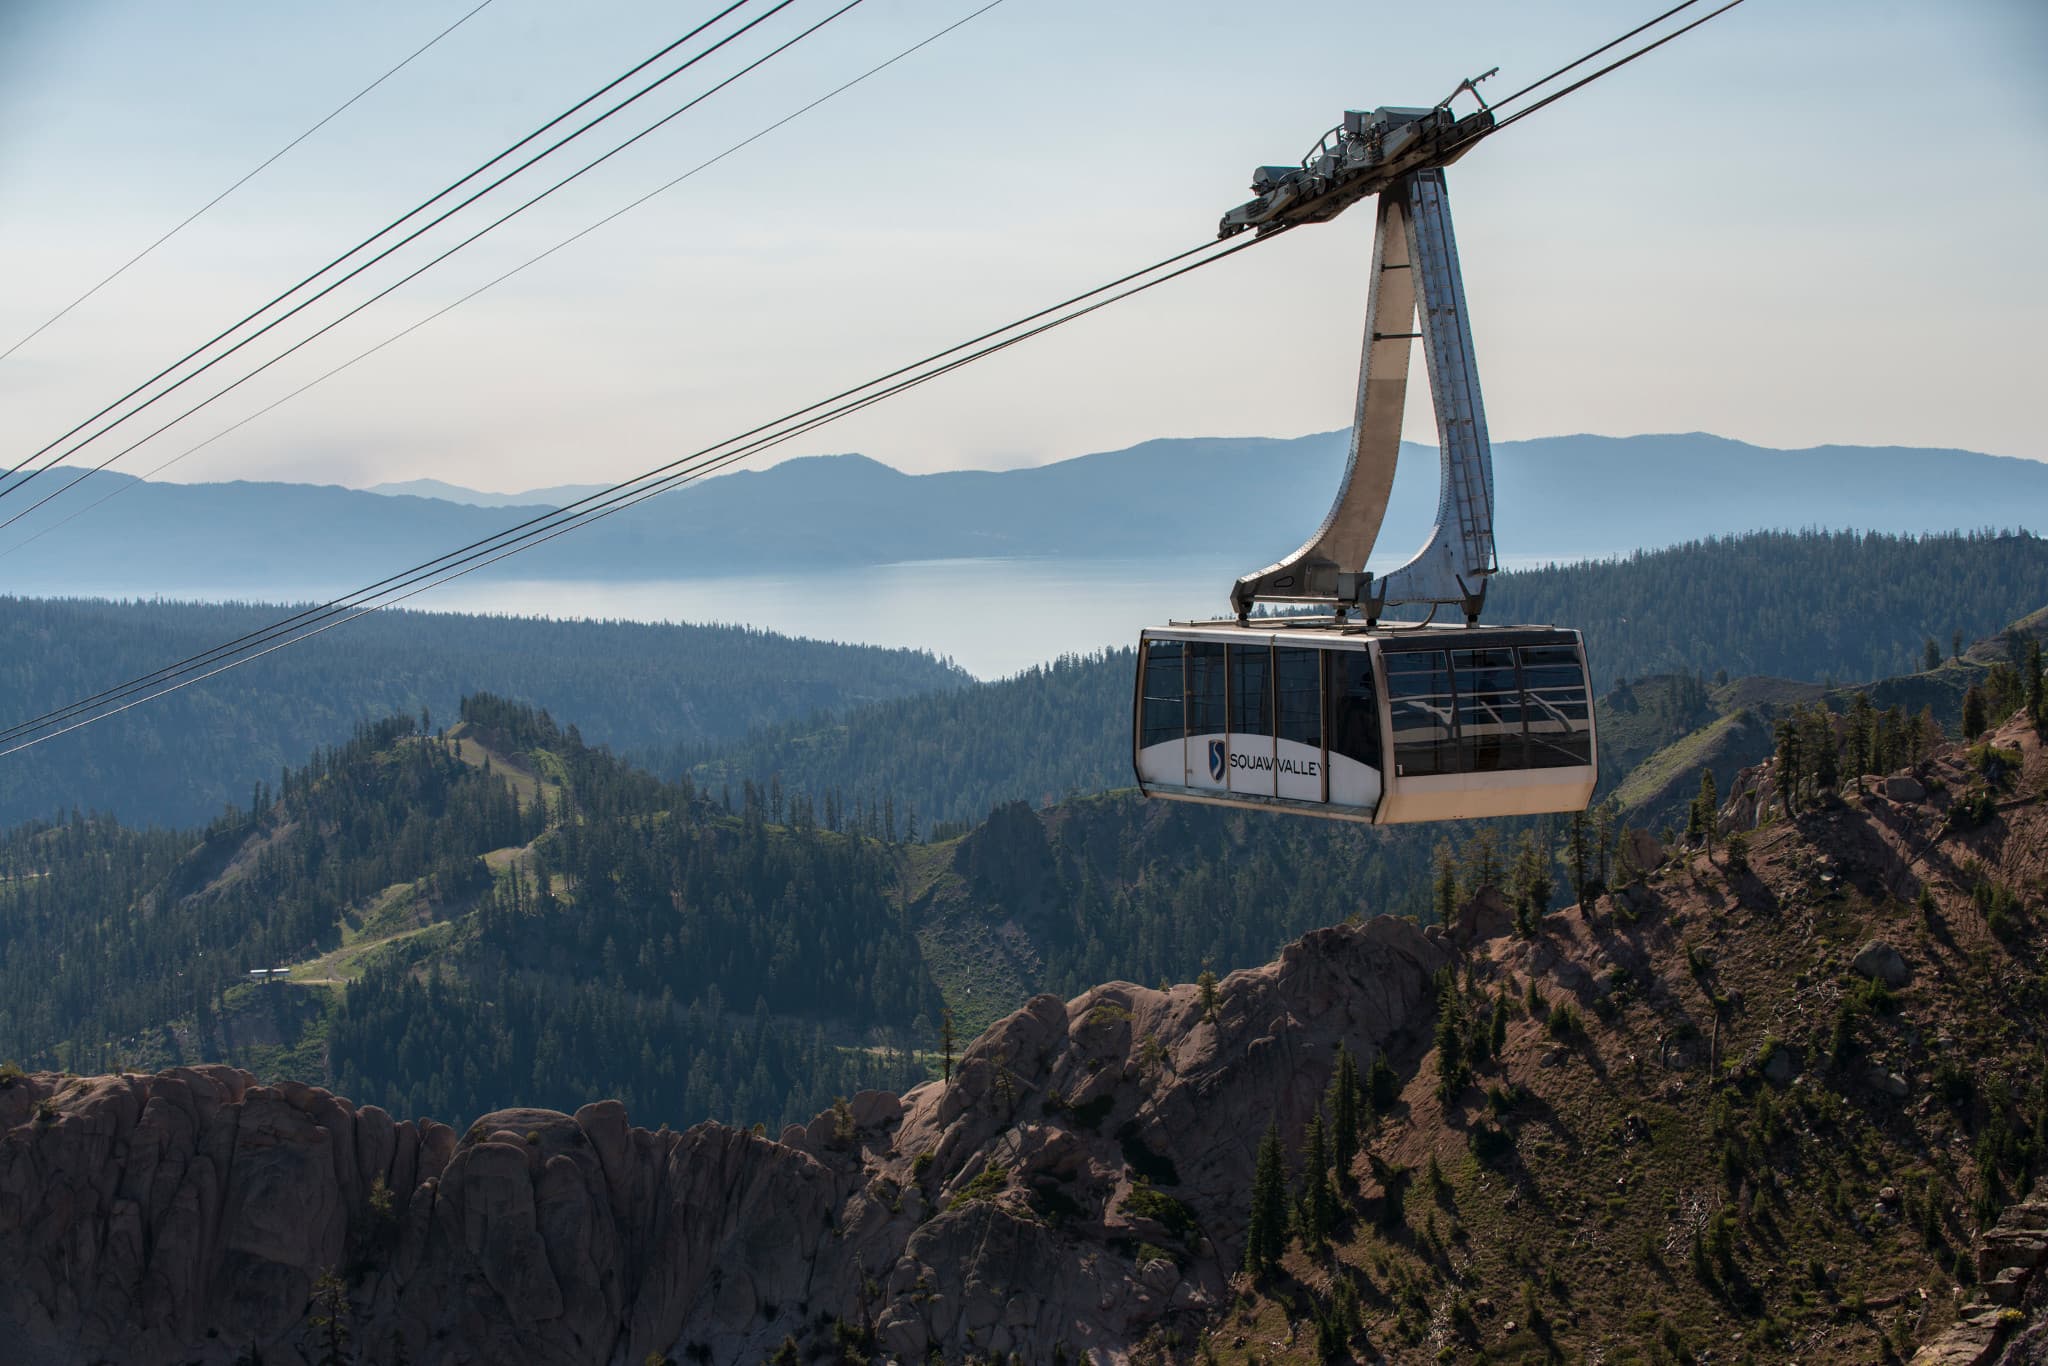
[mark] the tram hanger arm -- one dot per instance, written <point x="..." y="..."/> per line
<point x="1367" y="153"/>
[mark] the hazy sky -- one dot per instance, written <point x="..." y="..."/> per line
<point x="1804" y="223"/>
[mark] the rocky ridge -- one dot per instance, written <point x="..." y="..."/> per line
<point x="186" y="1216"/>
<point x="1770" y="1124"/>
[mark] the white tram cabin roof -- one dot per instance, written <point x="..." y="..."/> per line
<point x="1302" y="713"/>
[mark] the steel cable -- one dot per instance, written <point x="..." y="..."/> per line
<point x="403" y="280"/>
<point x="497" y="280"/>
<point x="261" y="167"/>
<point x="595" y="507"/>
<point x="785" y="427"/>
<point x="392" y="226"/>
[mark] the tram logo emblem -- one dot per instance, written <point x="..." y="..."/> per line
<point x="1218" y="759"/>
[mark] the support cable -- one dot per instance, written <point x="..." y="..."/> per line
<point x="534" y="260"/>
<point x="538" y="530"/>
<point x="1616" y="65"/>
<point x="1604" y="47"/>
<point x="504" y="218"/>
<point x="265" y="165"/>
<point x="392" y="226"/>
<point x="594" y="507"/>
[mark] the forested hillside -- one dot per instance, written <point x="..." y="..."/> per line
<point x="1814" y="606"/>
<point x="497" y="913"/>
<point x="1811" y="606"/>
<point x="180" y="760"/>
<point x="1048" y="732"/>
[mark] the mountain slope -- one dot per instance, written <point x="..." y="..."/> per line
<point x="1697" y="1129"/>
<point x="180" y="759"/>
<point x="1248" y="499"/>
<point x="1802" y="606"/>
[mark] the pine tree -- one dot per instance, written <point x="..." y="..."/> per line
<point x="1605" y="817"/>
<point x="1791" y="760"/>
<point x="1930" y="656"/>
<point x="1344" y="1101"/>
<point x="2037" y="703"/>
<point x="1451" y="1071"/>
<point x="1446" y="886"/>
<point x="1579" y="855"/>
<point x="330" y="1324"/>
<point x="1708" y="807"/>
<point x="1819" y="743"/>
<point x="1862" y="737"/>
<point x="1533" y="883"/>
<point x="1382" y="1086"/>
<point x="1265" y="1235"/>
<point x="1318" y="1202"/>
<point x="946" y="1041"/>
<point x="1973" y="712"/>
<point x="1482" y="861"/>
<point x="1497" y="1034"/>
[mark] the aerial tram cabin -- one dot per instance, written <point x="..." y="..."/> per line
<point x="1341" y="713"/>
<point x="1391" y="726"/>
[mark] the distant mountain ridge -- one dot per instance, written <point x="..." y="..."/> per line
<point x="558" y="496"/>
<point x="1249" y="498"/>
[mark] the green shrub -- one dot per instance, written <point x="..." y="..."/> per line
<point x="985" y="1186"/>
<point x="1564" y="1021"/>
<point x="1162" y="1209"/>
<point x="1491" y="1144"/>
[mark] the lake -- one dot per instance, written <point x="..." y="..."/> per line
<point x="990" y="616"/>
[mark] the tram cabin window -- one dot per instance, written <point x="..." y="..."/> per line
<point x="1354" y="707"/>
<point x="1488" y="710"/>
<point x="1165" y="709"/>
<point x="1299" y="694"/>
<point x="1420" y="700"/>
<point x="1557" y="707"/>
<point x="1251" y="689"/>
<point x="1205" y="687"/>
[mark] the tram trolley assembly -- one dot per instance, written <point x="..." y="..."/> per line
<point x="1390" y="726"/>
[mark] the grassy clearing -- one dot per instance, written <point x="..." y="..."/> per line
<point x="345" y="964"/>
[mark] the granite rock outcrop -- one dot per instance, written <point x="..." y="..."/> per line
<point x="1080" y="1181"/>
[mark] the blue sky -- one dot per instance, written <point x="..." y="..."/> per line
<point x="1805" y="223"/>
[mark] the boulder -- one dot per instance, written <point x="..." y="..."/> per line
<point x="1486" y="916"/>
<point x="1646" y="849"/>
<point x="1904" y="787"/>
<point x="1881" y="961"/>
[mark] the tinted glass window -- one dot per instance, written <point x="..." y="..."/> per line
<point x="1205" y="687"/>
<point x="1420" y="698"/>
<point x="1299" y="690"/>
<point x="1251" y="690"/>
<point x="1557" y="708"/>
<point x="1164" y="705"/>
<point x="1354" y="707"/>
<point x="1489" y="710"/>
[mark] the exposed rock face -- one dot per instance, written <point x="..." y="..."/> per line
<point x="185" y="1216"/>
<point x="1997" y="1326"/>
<point x="1880" y="960"/>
